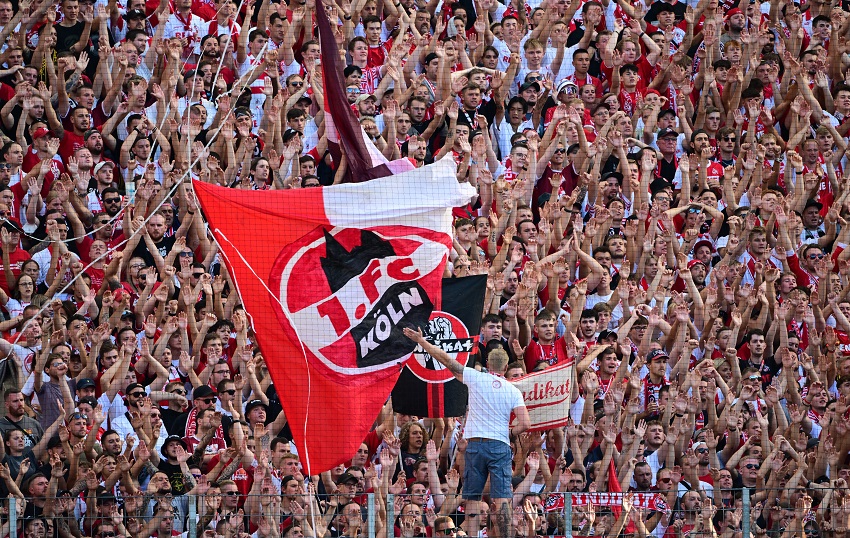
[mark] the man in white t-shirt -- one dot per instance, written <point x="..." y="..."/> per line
<point x="492" y="400"/>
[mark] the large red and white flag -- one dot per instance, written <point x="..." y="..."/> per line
<point x="329" y="276"/>
<point x="344" y="133"/>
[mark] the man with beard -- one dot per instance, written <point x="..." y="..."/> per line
<point x="134" y="400"/>
<point x="161" y="497"/>
<point x="103" y="226"/>
<point x="155" y="230"/>
<point x="211" y="52"/>
<point x="17" y="419"/>
<point x="416" y="150"/>
<point x="74" y="139"/>
<point x="94" y="143"/>
<point x="98" y="186"/>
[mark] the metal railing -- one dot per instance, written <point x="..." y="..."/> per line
<point x="551" y="512"/>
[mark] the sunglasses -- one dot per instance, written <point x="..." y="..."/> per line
<point x="560" y="151"/>
<point x="155" y="415"/>
<point x="198" y="275"/>
<point x="752" y="466"/>
<point x="533" y="79"/>
<point x="449" y="531"/>
<point x="207" y="401"/>
<point x="111" y="200"/>
<point x="6" y="166"/>
<point x="729" y="138"/>
<point x="702" y="451"/>
<point x="231" y="392"/>
<point x="754" y="378"/>
<point x="186" y="254"/>
<point x="296" y="84"/>
<point x="230" y="493"/>
<point x="355" y="91"/>
<point x="816" y="256"/>
<point x="181" y="392"/>
<point x="77" y="416"/>
<point x="137" y="394"/>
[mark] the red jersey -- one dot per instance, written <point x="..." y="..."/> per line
<point x="71" y="142"/>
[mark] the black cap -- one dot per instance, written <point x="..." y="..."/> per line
<point x="255" y="403"/>
<point x="811" y="202"/>
<point x="528" y="85"/>
<point x="347" y="477"/>
<point x="12" y="224"/>
<point x="85" y="383"/>
<point x="135" y="14"/>
<point x="169" y="439"/>
<point x="667" y="131"/>
<point x="132" y="386"/>
<point x="664" y="6"/>
<point x="655" y="353"/>
<point x="430" y="57"/>
<point x="104" y="496"/>
<point x="606" y="334"/>
<point x="202" y="392"/>
<point x="616" y="175"/>
<point x="659" y="184"/>
<point x="289" y="134"/>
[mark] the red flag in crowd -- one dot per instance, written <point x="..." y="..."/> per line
<point x="614" y="487"/>
<point x="345" y="136"/>
<point x="329" y="276"/>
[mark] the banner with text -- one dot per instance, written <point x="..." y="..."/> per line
<point x="547" y="396"/>
<point x="554" y="502"/>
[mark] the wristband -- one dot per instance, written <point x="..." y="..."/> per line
<point x="347" y="17"/>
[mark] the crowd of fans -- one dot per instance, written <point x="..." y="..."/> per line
<point x="662" y="200"/>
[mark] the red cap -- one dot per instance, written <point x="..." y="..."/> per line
<point x="694" y="262"/>
<point x="654" y="92"/>
<point x="733" y="11"/>
<point x="41" y="132"/>
<point x="705" y="242"/>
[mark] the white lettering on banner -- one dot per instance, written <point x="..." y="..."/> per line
<point x="649" y="501"/>
<point x="547" y="396"/>
<point x="386" y="320"/>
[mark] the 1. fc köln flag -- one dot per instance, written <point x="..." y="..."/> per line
<point x="425" y="387"/>
<point x="329" y="277"/>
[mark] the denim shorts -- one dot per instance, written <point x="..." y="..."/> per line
<point x="487" y="457"/>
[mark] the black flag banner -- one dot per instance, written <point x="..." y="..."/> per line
<point x="426" y="388"/>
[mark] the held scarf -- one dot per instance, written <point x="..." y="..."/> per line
<point x="554" y="502"/>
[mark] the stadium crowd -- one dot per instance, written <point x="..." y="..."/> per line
<point x="662" y="201"/>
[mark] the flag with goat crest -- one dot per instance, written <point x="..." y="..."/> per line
<point x="426" y="388"/>
<point x="329" y="277"/>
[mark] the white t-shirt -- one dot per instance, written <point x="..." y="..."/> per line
<point x="491" y="400"/>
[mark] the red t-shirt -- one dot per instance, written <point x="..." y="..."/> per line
<point x="16" y="261"/>
<point x="70" y="143"/>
